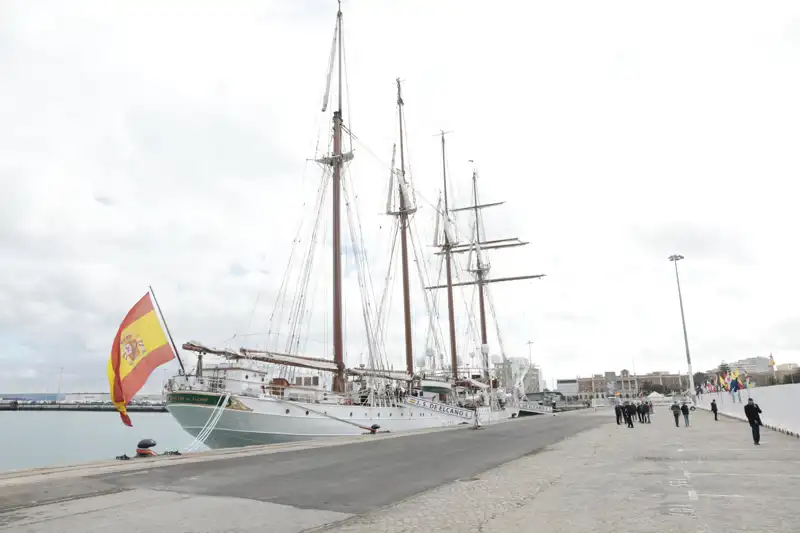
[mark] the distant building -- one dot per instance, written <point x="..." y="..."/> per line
<point x="533" y="379"/>
<point x="29" y="397"/>
<point x="567" y="387"/>
<point x="105" y="397"/>
<point x="622" y="385"/>
<point x="752" y="365"/>
<point x="787" y="367"/>
<point x="87" y="397"/>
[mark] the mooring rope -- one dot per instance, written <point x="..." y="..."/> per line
<point x="210" y="424"/>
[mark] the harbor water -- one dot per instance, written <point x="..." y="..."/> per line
<point x="32" y="439"/>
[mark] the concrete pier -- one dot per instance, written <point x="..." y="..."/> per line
<point x="15" y="406"/>
<point x="572" y="472"/>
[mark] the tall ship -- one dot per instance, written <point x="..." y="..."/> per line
<point x="278" y="394"/>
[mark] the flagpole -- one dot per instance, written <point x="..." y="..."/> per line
<point x="166" y="327"/>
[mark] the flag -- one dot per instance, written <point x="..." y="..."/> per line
<point x="139" y="348"/>
<point x="771" y="362"/>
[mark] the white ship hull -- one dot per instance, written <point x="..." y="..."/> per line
<point x="248" y="421"/>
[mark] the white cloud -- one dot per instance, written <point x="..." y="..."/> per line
<point x="165" y="143"/>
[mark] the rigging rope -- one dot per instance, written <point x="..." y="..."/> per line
<point x="423" y="278"/>
<point x="388" y="284"/>
<point x="361" y="271"/>
<point x="493" y="311"/>
<point x="211" y="423"/>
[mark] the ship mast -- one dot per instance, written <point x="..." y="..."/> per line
<point x="405" y="210"/>
<point x="480" y="272"/>
<point x="481" y="269"/>
<point x="337" y="162"/>
<point x="448" y="267"/>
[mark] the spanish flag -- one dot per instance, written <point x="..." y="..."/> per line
<point x="139" y="348"/>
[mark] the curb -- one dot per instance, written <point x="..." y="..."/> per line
<point x="779" y="429"/>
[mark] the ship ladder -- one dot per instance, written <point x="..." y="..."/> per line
<point x="211" y="423"/>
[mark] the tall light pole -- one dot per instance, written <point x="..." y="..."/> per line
<point x="675" y="258"/>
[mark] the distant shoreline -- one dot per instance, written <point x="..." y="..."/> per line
<point x="157" y="408"/>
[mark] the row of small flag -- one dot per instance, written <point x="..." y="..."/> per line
<point x="733" y="380"/>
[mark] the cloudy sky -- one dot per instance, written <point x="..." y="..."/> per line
<point x="166" y="143"/>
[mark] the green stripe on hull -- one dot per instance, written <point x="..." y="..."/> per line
<point x="212" y="400"/>
<point x="193" y="398"/>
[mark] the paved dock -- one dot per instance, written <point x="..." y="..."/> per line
<point x="576" y="472"/>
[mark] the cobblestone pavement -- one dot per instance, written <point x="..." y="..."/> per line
<point x="652" y="478"/>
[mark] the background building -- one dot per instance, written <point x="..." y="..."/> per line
<point x="567" y="387"/>
<point x="622" y="385"/>
<point x="533" y="380"/>
<point x="752" y="365"/>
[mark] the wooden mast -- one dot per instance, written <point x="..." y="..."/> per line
<point x="403" y="214"/>
<point x="338" y="342"/>
<point x="480" y="273"/>
<point x="482" y="268"/>
<point x="449" y="270"/>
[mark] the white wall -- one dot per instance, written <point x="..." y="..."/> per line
<point x="779" y="404"/>
<point x="567" y="389"/>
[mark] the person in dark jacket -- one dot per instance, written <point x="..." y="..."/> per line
<point x="646" y="412"/>
<point x="639" y="412"/>
<point x="714" y="408"/>
<point x="628" y="411"/>
<point x="618" y="412"/>
<point x="753" y="413"/>
<point x="685" y="411"/>
<point x="676" y="412"/>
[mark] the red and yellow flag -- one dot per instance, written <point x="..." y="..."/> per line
<point x="139" y="348"/>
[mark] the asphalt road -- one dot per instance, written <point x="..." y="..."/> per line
<point x="341" y="481"/>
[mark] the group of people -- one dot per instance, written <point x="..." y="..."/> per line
<point x="626" y="412"/>
<point x="630" y="410"/>
<point x="678" y="410"/>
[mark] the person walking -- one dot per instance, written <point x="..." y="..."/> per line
<point x="753" y="413"/>
<point x="676" y="412"/>
<point x="646" y="412"/>
<point x="618" y="412"/>
<point x="685" y="411"/>
<point x="628" y="412"/>
<point x="714" y="408"/>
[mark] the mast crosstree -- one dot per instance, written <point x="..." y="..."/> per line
<point x="482" y="267"/>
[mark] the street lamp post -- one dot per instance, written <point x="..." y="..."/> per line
<point x="675" y="258"/>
